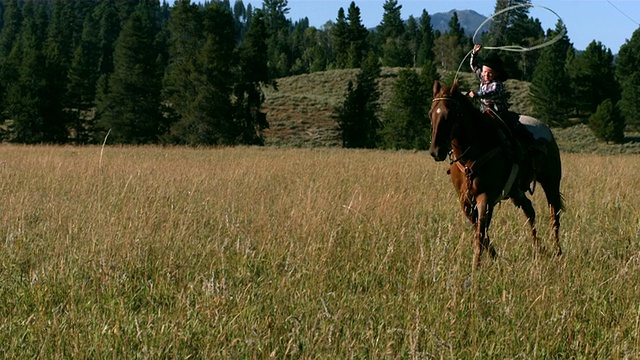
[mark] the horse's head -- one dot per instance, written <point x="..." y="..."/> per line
<point x="445" y="116"/>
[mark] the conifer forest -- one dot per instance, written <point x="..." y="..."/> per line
<point x="191" y="73"/>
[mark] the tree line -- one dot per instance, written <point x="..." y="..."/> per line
<point x="568" y="87"/>
<point x="141" y="71"/>
<point x="132" y="72"/>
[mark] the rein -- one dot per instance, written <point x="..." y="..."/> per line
<point x="468" y="168"/>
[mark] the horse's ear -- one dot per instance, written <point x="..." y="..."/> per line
<point x="454" y="88"/>
<point x="436" y="87"/>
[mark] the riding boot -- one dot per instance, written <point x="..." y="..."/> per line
<point x="527" y="165"/>
<point x="524" y="163"/>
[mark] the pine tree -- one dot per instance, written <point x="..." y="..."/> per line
<point x="593" y="78"/>
<point x="413" y="37"/>
<point x="131" y="107"/>
<point x="406" y="122"/>
<point x="81" y="88"/>
<point x="357" y="117"/>
<point x="451" y="47"/>
<point x="9" y="35"/>
<point x="298" y="45"/>
<point x="349" y="38"/>
<point x="241" y="17"/>
<point x="83" y="72"/>
<point x="607" y="123"/>
<point x="524" y="63"/>
<point x="215" y="78"/>
<point x="199" y="78"/>
<point x="429" y="75"/>
<point x="391" y="34"/>
<point x="12" y="25"/>
<point x="185" y="41"/>
<point x="317" y="50"/>
<point x="108" y="31"/>
<point x="277" y="24"/>
<point x="550" y="87"/>
<point x="26" y="101"/>
<point x="456" y="30"/>
<point x="427" y="39"/>
<point x="252" y="78"/>
<point x="628" y="75"/>
<point x="391" y="25"/>
<point x="357" y="34"/>
<point x="515" y="27"/>
<point x="59" y="45"/>
<point x="340" y="39"/>
<point x="109" y="28"/>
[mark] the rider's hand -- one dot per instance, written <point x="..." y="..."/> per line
<point x="476" y="48"/>
<point x="471" y="94"/>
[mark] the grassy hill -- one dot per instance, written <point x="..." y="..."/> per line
<point x="300" y="111"/>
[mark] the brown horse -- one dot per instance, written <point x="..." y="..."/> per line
<point x="482" y="167"/>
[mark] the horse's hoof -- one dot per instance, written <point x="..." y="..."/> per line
<point x="492" y="252"/>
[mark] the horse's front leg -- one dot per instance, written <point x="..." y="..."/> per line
<point x="481" y="239"/>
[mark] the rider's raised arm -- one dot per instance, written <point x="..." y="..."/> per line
<point x="474" y="64"/>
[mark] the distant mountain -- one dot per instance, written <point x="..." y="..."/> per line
<point x="469" y="20"/>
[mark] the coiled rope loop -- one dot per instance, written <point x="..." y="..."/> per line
<point x="514" y="48"/>
<point x="518" y="48"/>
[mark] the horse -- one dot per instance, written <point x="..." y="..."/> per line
<point x="483" y="170"/>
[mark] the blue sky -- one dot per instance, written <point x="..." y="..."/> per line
<point x="610" y="22"/>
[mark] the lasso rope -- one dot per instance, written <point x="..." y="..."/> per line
<point x="518" y="48"/>
<point x="514" y="48"/>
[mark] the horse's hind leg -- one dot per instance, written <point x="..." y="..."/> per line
<point x="555" y="219"/>
<point x="527" y="207"/>
<point x="486" y="244"/>
<point x="555" y="208"/>
<point x="556" y="205"/>
<point x="549" y="177"/>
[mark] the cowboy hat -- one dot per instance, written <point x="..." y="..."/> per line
<point x="493" y="61"/>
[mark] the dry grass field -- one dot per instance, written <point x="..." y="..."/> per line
<point x="149" y="252"/>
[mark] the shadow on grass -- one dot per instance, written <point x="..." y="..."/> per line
<point x="631" y="139"/>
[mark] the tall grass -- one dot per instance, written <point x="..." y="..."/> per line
<point x="265" y="252"/>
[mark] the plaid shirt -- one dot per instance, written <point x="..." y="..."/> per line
<point x="491" y="94"/>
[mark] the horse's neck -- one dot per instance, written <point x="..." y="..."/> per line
<point x="477" y="136"/>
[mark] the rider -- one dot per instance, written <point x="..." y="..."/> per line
<point x="494" y="102"/>
<point x="492" y="94"/>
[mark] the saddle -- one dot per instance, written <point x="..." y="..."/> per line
<point x="520" y="144"/>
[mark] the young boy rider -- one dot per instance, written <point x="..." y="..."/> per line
<point x="494" y="102"/>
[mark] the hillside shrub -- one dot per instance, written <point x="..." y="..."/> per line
<point x="607" y="122"/>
